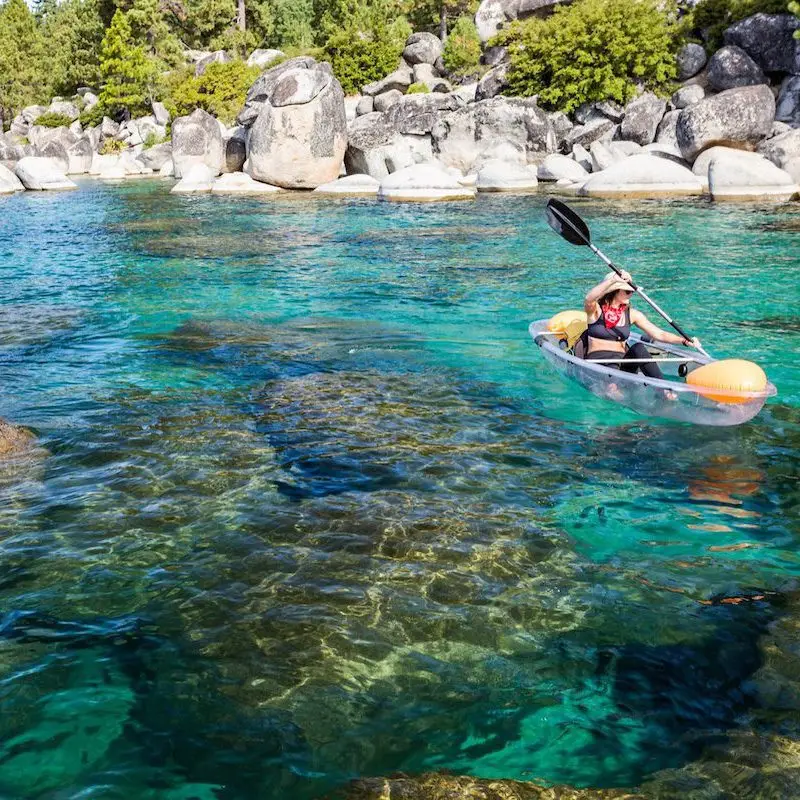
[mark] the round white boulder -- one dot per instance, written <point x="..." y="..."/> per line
<point x="423" y="183"/>
<point x="240" y="183"/>
<point x="502" y="176"/>
<point x="198" y="178"/>
<point x="556" y="167"/>
<point x="42" y="174"/>
<point x="352" y="185"/>
<point x="739" y="175"/>
<point x="643" y="175"/>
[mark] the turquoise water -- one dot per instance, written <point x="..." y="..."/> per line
<point x="309" y="505"/>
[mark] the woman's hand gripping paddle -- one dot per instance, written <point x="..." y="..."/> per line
<point x="567" y="224"/>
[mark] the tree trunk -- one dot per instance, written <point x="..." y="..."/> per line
<point x="443" y="22"/>
<point x="240" y="19"/>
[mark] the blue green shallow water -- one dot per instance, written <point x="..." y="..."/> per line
<point x="309" y="505"/>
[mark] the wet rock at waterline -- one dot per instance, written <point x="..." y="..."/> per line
<point x="155" y="157"/>
<point x="240" y="183"/>
<point x="739" y="175"/>
<point x="197" y="178"/>
<point x="643" y="175"/>
<point x="423" y="183"/>
<point x="352" y="185"/>
<point x="739" y="117"/>
<point x="9" y="182"/>
<point x="500" y="176"/>
<point x="299" y="137"/>
<point x="42" y="174"/>
<point x="197" y="139"/>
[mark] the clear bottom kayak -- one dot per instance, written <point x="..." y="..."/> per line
<point x="671" y="397"/>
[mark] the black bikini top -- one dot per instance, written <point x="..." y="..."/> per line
<point x="619" y="333"/>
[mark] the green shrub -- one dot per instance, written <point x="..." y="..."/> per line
<point x="92" y="116"/>
<point x="52" y="120"/>
<point x="591" y="50"/>
<point x="152" y="139"/>
<point x="359" y="58"/>
<point x="709" y="18"/>
<point x="462" y="50"/>
<point x="111" y="146"/>
<point x="220" y="90"/>
<point x="417" y="88"/>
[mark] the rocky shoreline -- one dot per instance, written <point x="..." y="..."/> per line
<point x="731" y="131"/>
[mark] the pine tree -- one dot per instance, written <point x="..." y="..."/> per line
<point x="149" y="29"/>
<point x="129" y="73"/>
<point x="75" y="32"/>
<point x="22" y="68"/>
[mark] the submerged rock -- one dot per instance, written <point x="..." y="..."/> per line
<point x="15" y="440"/>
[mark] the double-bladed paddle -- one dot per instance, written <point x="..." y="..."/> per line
<point x="567" y="224"/>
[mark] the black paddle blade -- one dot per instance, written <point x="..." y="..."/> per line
<point x="565" y="222"/>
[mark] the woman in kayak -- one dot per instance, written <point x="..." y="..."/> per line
<point x="610" y="317"/>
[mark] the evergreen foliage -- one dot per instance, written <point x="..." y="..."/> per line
<point x="52" y="120"/>
<point x="462" y="50"/>
<point x="129" y="73"/>
<point x="794" y="8"/>
<point x="591" y="50"/>
<point x="22" y="72"/>
<point x="417" y="88"/>
<point x="220" y="90"/>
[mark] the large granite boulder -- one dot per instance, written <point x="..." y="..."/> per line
<point x="263" y="58"/>
<point x="350" y="186"/>
<point x="418" y="114"/>
<point x="79" y="156"/>
<point x="730" y="67"/>
<point x="299" y="138"/>
<point x="42" y="174"/>
<point x="788" y="107"/>
<point x="642" y="116"/>
<point x="423" y="183"/>
<point x="492" y="15"/>
<point x="688" y="95"/>
<point x="739" y="175"/>
<point x="769" y="40"/>
<point x="422" y="48"/>
<point x="643" y="175"/>
<point x="374" y="147"/>
<point x="739" y="117"/>
<point x="197" y="139"/>
<point x="500" y="176"/>
<point x="240" y="183"/>
<point x="480" y="131"/>
<point x="198" y="178"/>
<point x="263" y="87"/>
<point x="56" y="152"/>
<point x="9" y="182"/>
<point x="556" y="167"/>
<point x="691" y="59"/>
<point x="155" y="157"/>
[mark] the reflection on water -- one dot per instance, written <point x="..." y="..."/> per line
<point x="309" y="507"/>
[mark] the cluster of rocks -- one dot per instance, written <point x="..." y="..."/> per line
<point x="732" y="130"/>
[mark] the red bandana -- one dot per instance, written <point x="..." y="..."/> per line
<point x="612" y="316"/>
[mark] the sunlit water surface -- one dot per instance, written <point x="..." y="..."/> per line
<point x="313" y="507"/>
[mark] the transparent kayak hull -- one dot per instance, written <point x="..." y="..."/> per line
<point x="670" y="398"/>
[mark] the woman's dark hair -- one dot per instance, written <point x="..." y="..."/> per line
<point x="607" y="298"/>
